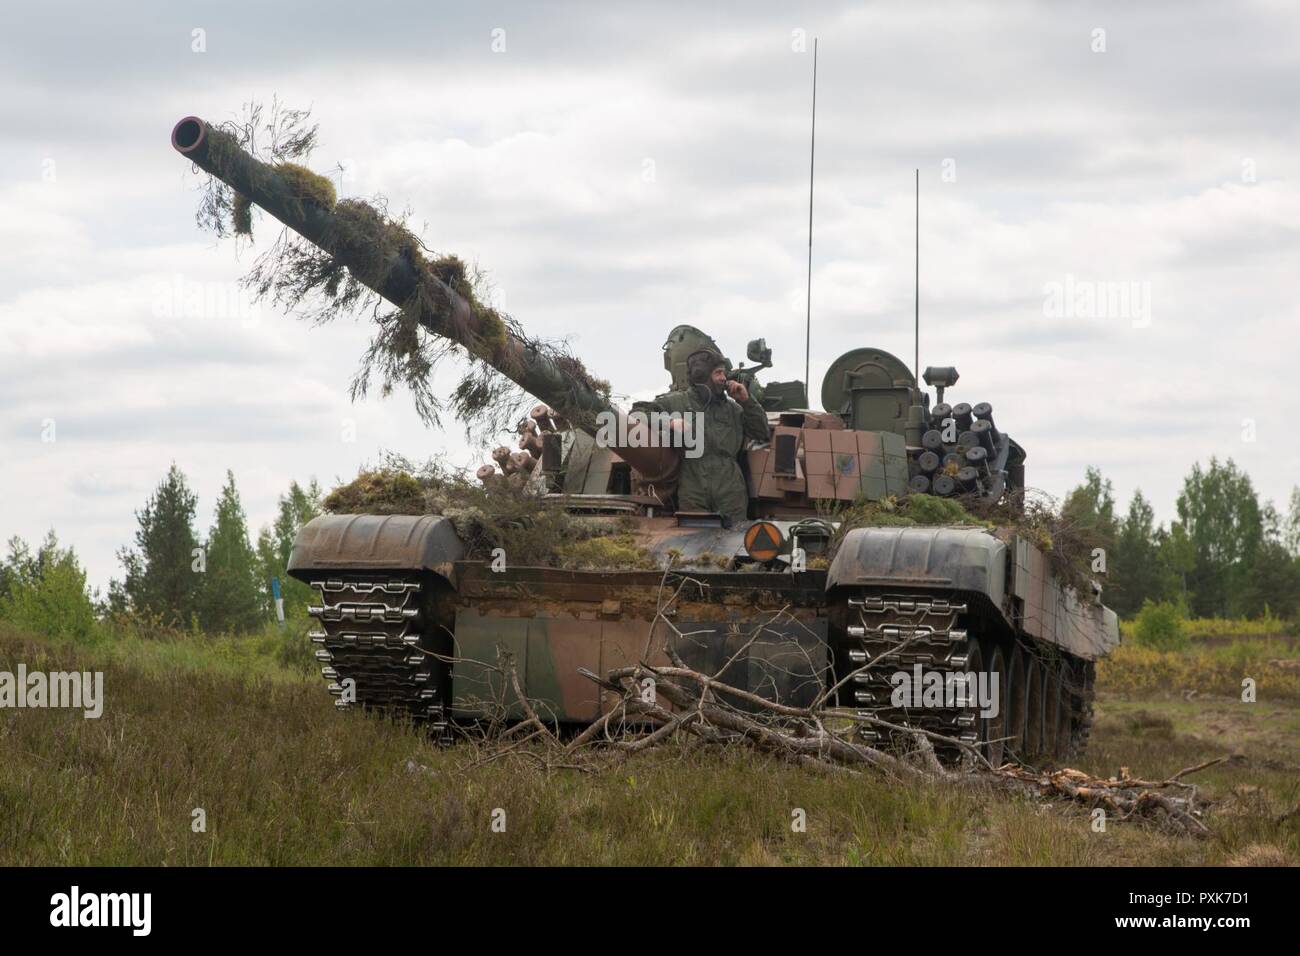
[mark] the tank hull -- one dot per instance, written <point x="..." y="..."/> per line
<point x="947" y="600"/>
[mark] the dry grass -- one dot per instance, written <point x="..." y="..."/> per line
<point x="285" y="779"/>
<point x="1221" y="628"/>
<point x="1206" y="668"/>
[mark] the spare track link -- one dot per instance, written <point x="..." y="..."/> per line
<point x="894" y="632"/>
<point x="370" y="630"/>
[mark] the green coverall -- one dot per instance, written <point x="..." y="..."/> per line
<point x="713" y="480"/>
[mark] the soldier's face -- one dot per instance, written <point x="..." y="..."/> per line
<point x="719" y="377"/>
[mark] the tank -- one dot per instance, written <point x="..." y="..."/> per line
<point x="410" y="623"/>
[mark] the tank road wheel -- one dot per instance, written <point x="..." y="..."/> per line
<point x="1052" y="707"/>
<point x="970" y="706"/>
<point x="1081" y="725"/>
<point x="1033" y="704"/>
<point x="993" y="729"/>
<point x="1065" y="718"/>
<point x="1016" y="704"/>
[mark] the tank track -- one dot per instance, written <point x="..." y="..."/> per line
<point x="372" y="631"/>
<point x="900" y="630"/>
<point x="378" y="631"/>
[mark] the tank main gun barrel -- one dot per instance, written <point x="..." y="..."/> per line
<point x="219" y="154"/>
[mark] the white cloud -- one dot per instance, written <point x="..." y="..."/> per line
<point x="1115" y="167"/>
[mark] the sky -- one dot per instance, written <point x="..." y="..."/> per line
<point x="1109" y="224"/>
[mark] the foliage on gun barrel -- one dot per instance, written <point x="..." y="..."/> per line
<point x="353" y="255"/>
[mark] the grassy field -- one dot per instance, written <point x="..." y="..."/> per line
<point x="283" y="778"/>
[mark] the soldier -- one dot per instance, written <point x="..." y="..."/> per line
<point x="713" y="480"/>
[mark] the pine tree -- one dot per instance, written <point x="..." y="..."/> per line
<point x="229" y="599"/>
<point x="1221" y="513"/>
<point x="1273" y="583"/>
<point x="1135" y="573"/>
<point x="161" y="578"/>
<point x="1091" y="507"/>
<point x="1177" y="560"/>
<point x="18" y="568"/>
<point x="1291" y="527"/>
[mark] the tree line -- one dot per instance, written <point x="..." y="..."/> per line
<point x="223" y="583"/>
<point x="1226" y="555"/>
<point x="172" y="578"/>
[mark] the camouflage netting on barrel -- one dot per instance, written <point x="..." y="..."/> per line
<point x="446" y="296"/>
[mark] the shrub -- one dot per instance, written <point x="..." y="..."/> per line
<point x="932" y="510"/>
<point x="290" y="646"/>
<point x="532" y="529"/>
<point x="1160" y="626"/>
<point x="53" y="600"/>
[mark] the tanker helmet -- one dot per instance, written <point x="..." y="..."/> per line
<point x="701" y="363"/>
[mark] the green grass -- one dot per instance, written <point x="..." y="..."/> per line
<point x="273" y="655"/>
<point x="286" y="779"/>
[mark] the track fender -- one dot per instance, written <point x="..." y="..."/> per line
<point x="375" y="543"/>
<point x="959" y="559"/>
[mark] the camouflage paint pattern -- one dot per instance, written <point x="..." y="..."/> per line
<point x="553" y="622"/>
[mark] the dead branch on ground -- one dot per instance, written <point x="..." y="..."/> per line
<point x="662" y="698"/>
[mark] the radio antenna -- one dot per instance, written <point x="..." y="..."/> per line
<point x="916" y="292"/>
<point x="812" y="156"/>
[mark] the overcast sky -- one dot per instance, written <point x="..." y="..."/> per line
<point x="619" y="170"/>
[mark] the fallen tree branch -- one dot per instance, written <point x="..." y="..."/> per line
<point x="701" y="709"/>
<point x="1122" y="797"/>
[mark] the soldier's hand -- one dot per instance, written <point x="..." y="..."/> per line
<point x="738" y="391"/>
